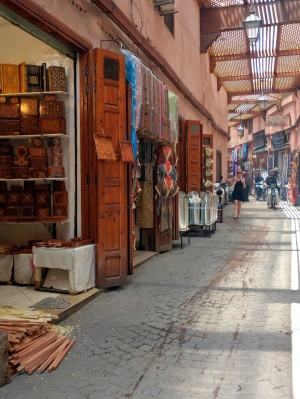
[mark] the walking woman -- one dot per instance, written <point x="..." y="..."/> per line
<point x="238" y="192"/>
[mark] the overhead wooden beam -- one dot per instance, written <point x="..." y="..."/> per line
<point x="231" y="18"/>
<point x="249" y="77"/>
<point x="248" y="92"/>
<point x="244" y="56"/>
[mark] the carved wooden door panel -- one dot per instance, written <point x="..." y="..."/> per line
<point x="110" y="217"/>
<point x="194" y="155"/>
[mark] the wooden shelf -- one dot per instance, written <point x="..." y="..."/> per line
<point x="35" y="179"/>
<point x="34" y="94"/>
<point x="33" y="219"/>
<point x="30" y="136"/>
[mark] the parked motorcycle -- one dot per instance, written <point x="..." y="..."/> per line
<point x="273" y="196"/>
<point x="260" y="191"/>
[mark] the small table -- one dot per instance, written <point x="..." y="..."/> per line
<point x="184" y="233"/>
<point x="79" y="261"/>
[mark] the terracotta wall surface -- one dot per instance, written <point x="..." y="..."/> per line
<point x="289" y="106"/>
<point x="181" y="51"/>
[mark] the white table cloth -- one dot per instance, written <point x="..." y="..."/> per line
<point x="80" y="262"/>
<point x="6" y="265"/>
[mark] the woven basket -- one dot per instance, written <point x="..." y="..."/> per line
<point x="29" y="107"/>
<point x="9" y="127"/>
<point x="9" y="111"/>
<point x="53" y="109"/>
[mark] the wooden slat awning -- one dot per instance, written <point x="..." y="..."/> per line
<point x="270" y="66"/>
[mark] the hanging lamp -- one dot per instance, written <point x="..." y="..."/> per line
<point x="252" y="26"/>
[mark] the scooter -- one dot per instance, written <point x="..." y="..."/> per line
<point x="273" y="196"/>
<point x="260" y="191"/>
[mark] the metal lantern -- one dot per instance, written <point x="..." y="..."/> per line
<point x="252" y="25"/>
<point x="262" y="103"/>
<point x="241" y="131"/>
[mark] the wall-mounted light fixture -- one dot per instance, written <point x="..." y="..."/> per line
<point x="252" y="25"/>
<point x="165" y="6"/>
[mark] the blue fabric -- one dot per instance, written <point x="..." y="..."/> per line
<point x="130" y="62"/>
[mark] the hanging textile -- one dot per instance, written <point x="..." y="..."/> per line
<point x="130" y="63"/>
<point x="173" y="110"/>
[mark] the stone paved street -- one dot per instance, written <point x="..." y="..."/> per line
<point x="218" y="319"/>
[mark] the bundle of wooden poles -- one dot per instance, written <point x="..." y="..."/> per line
<point x="33" y="342"/>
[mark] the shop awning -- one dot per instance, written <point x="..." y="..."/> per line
<point x="258" y="150"/>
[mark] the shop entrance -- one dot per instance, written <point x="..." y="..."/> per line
<point x="105" y="206"/>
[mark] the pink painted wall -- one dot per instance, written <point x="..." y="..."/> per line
<point x="181" y="51"/>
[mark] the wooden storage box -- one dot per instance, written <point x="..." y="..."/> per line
<point x="15" y="187"/>
<point x="27" y="210"/>
<point x="38" y="162"/>
<point x="6" y="149"/>
<point x="37" y="173"/>
<point x="56" y="160"/>
<point x="10" y="111"/>
<point x="53" y="109"/>
<point x="27" y="198"/>
<point x="5" y="160"/>
<point x="52" y="125"/>
<point x="38" y="151"/>
<point x="9" y="79"/>
<point x="56" y="77"/>
<point x="3" y="186"/>
<point x="13" y="210"/>
<point x="29" y="106"/>
<point x="56" y="171"/>
<point x="5" y="172"/>
<point x="34" y="78"/>
<point x="3" y="198"/>
<point x="21" y="161"/>
<point x="42" y="198"/>
<point x="60" y="211"/>
<point x="29" y="185"/>
<point x="14" y="198"/>
<point x="29" y="125"/>
<point x="3" y="211"/>
<point x="60" y="198"/>
<point x="43" y="187"/>
<point x="37" y="141"/>
<point x="42" y="212"/>
<point x="50" y="97"/>
<point x="21" y="172"/>
<point x="56" y="149"/>
<point x="59" y="185"/>
<point x="10" y="127"/>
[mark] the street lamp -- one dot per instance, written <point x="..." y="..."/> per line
<point x="252" y="25"/>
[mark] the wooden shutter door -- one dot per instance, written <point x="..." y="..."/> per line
<point x="194" y="155"/>
<point x="111" y="214"/>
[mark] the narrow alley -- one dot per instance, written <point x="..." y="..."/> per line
<point x="218" y="319"/>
